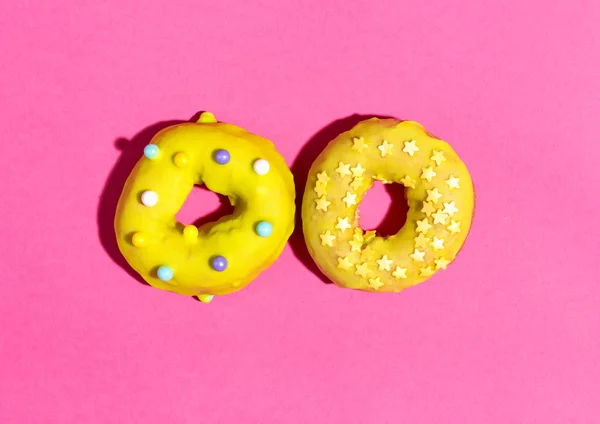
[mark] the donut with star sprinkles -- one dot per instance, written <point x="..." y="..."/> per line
<point x="440" y="197"/>
<point x="219" y="257"/>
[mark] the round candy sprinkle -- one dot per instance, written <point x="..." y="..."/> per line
<point x="151" y="151"/>
<point x="264" y="229"/>
<point x="261" y="166"/>
<point x="222" y="156"/>
<point x="181" y="160"/>
<point x="207" y="118"/>
<point x="139" y="239"/>
<point x="205" y="298"/>
<point x="190" y="232"/>
<point x="164" y="273"/>
<point x="149" y="198"/>
<point x="219" y="263"/>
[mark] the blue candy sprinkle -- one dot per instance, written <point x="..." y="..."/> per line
<point x="165" y="273"/>
<point x="219" y="263"/>
<point x="151" y="151"/>
<point x="264" y="229"/>
<point x="222" y="156"/>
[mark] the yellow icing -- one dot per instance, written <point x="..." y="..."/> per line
<point x="186" y="158"/>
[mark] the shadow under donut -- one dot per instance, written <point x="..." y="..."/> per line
<point x="394" y="217"/>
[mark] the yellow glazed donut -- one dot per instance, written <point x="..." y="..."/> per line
<point x="220" y="257"/>
<point x="440" y="197"/>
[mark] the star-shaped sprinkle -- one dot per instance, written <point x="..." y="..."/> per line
<point x="384" y="263"/>
<point x="399" y="273"/>
<point x="356" y="245"/>
<point x="454" y="227"/>
<point x="433" y="195"/>
<point x="450" y="208"/>
<point x="363" y="270"/>
<point x="342" y="224"/>
<point x="370" y="235"/>
<point x="358" y="234"/>
<point x="441" y="263"/>
<point x="359" y="144"/>
<point x="320" y="189"/>
<point x="358" y="171"/>
<point x="322" y="177"/>
<point x="428" y="208"/>
<point x="437" y="244"/>
<point x="438" y="157"/>
<point x="421" y="240"/>
<point x="423" y="226"/>
<point x="343" y="169"/>
<point x="344" y="263"/>
<point x="357" y="182"/>
<point x="426" y="272"/>
<point x="350" y="199"/>
<point x="408" y="182"/>
<point x="385" y="148"/>
<point x="322" y="203"/>
<point x="428" y="173"/>
<point x="418" y="256"/>
<point x="452" y="182"/>
<point x="440" y="217"/>
<point x="375" y="283"/>
<point x="410" y="147"/>
<point x="327" y="238"/>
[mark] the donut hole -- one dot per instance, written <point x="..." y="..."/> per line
<point x="203" y="206"/>
<point x="384" y="209"/>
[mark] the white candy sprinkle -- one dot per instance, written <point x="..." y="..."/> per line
<point x="149" y="198"/>
<point x="261" y="166"/>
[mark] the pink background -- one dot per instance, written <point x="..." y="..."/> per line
<point x="509" y="334"/>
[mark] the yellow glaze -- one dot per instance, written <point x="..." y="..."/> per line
<point x="150" y="236"/>
<point x="440" y="197"/>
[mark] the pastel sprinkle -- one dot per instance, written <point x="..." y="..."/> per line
<point x="264" y="229"/>
<point x="138" y="239"/>
<point x="222" y="156"/>
<point x="190" y="232"/>
<point x="205" y="298"/>
<point x="181" y="159"/>
<point x="261" y="166"/>
<point x="151" y="151"/>
<point x="219" y="263"/>
<point x="149" y="198"/>
<point x="164" y="273"/>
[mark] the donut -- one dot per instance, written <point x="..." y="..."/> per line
<point x="220" y="257"/>
<point x="440" y="197"/>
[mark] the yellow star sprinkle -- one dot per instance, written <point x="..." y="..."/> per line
<point x="327" y="238"/>
<point x="418" y="256"/>
<point x="428" y="173"/>
<point x="421" y="240"/>
<point x="350" y="199"/>
<point x="440" y="218"/>
<point x="363" y="270"/>
<point x="454" y="227"/>
<point x="384" y="263"/>
<point x="344" y="263"/>
<point x="428" y="208"/>
<point x="399" y="273"/>
<point x="433" y="195"/>
<point x="437" y="244"/>
<point x="427" y="272"/>
<point x="386" y="148"/>
<point x="370" y="235"/>
<point x="320" y="189"/>
<point x="356" y="245"/>
<point x="375" y="283"/>
<point x="342" y="224"/>
<point x="343" y="169"/>
<point x="408" y="182"/>
<point x="359" y="144"/>
<point x="322" y="203"/>
<point x="452" y="182"/>
<point x="423" y="226"/>
<point x="450" y="208"/>
<point x="356" y="183"/>
<point x="438" y="157"/>
<point x="358" y="171"/>
<point x="410" y="147"/>
<point x="358" y="234"/>
<point x="322" y="177"/>
<point x="441" y="263"/>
